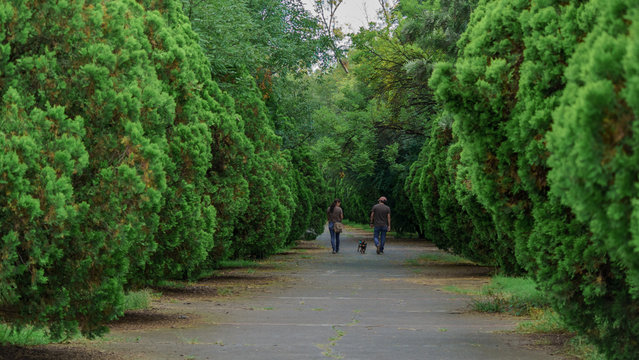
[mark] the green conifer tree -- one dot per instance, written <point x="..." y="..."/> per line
<point x="77" y="86"/>
<point x="265" y="225"/>
<point x="507" y="93"/>
<point x="594" y="170"/>
<point x="188" y="217"/>
<point x="445" y="219"/>
<point x="118" y="149"/>
<point x="487" y="72"/>
<point x="309" y="189"/>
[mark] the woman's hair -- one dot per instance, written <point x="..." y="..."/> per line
<point x="333" y="206"/>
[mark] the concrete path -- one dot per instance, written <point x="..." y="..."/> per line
<point x="343" y="306"/>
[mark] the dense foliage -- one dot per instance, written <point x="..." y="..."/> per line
<point x="145" y="140"/>
<point x="271" y="38"/>
<point x="124" y="163"/>
<point x="450" y="214"/>
<point x="447" y="211"/>
<point x="84" y="159"/>
<point x="547" y="147"/>
<point x="594" y="126"/>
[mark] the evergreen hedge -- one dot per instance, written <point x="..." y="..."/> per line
<point x="188" y="217"/>
<point x="265" y="224"/>
<point x="595" y="170"/>
<point x="449" y="214"/>
<point x="309" y="189"/>
<point x="123" y="163"/>
<point x="486" y="71"/>
<point x="549" y="153"/>
<point x="83" y="160"/>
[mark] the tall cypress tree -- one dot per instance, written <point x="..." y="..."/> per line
<point x="266" y="222"/>
<point x="450" y="215"/>
<point x="487" y="71"/>
<point x="595" y="171"/>
<point x="188" y="217"/>
<point x="83" y="118"/>
<point x="309" y="189"/>
<point x="117" y="148"/>
<point x="554" y="195"/>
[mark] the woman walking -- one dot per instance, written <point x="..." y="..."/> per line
<point x="334" y="215"/>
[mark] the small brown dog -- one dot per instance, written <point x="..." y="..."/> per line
<point x="361" y="247"/>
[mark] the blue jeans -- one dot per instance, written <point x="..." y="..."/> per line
<point x="334" y="237"/>
<point x="379" y="236"/>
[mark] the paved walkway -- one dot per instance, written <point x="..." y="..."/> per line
<point x="343" y="306"/>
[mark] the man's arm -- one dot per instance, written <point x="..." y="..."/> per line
<point x="389" y="222"/>
<point x="371" y="223"/>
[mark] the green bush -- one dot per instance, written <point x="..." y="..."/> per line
<point x="110" y="129"/>
<point x="439" y="186"/>
<point x="264" y="195"/>
<point x="24" y="336"/>
<point x="477" y="238"/>
<point x="486" y="72"/>
<point x="138" y="300"/>
<point x="308" y="218"/>
<point x="432" y="187"/>
<point x="516" y="295"/>
<point x="556" y="197"/>
<point x="188" y="217"/>
<point x="594" y="171"/>
<point x="83" y="165"/>
<point x="265" y="224"/>
<point x="422" y="189"/>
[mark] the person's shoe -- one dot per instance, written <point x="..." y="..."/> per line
<point x="333" y="251"/>
<point x="377" y="249"/>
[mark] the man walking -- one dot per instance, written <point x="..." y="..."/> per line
<point x="381" y="222"/>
